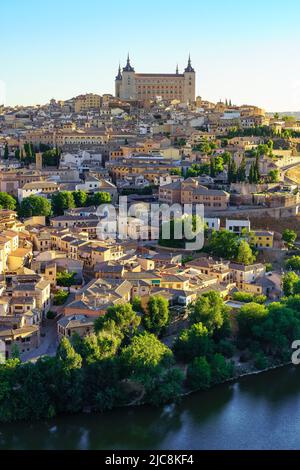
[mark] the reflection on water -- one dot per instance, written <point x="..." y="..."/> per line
<point x="259" y="412"/>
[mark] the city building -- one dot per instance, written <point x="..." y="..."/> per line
<point x="130" y="85"/>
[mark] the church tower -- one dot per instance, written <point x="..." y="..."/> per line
<point x="118" y="83"/>
<point x="189" y="83"/>
<point x="128" y="82"/>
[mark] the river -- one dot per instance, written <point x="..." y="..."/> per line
<point x="258" y="412"/>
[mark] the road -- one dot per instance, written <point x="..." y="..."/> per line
<point x="48" y="344"/>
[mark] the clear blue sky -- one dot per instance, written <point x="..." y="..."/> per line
<point x="244" y="50"/>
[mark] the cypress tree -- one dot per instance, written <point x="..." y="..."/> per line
<point x="6" y="152"/>
<point x="212" y="168"/>
<point x="229" y="172"/>
<point x="242" y="170"/>
<point x="234" y="172"/>
<point x="251" y="174"/>
<point x="257" y="172"/>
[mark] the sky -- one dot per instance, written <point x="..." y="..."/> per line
<point x="246" y="51"/>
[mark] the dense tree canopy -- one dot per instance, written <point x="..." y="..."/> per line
<point x="60" y="297"/>
<point x="224" y="244"/>
<point x="209" y="309"/>
<point x="289" y="237"/>
<point x="157" y="316"/>
<point x="62" y="201"/>
<point x="193" y="342"/>
<point x="34" y="206"/>
<point x="293" y="263"/>
<point x="7" y="201"/>
<point x="245" y="254"/>
<point x="290" y="282"/>
<point x="99" y="198"/>
<point x="124" y="319"/>
<point x="199" y="374"/>
<point x="250" y="315"/>
<point x="80" y="198"/>
<point x="65" y="279"/>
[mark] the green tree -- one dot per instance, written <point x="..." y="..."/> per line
<point x="167" y="387"/>
<point x="210" y="310"/>
<point x="252" y="178"/>
<point x="247" y="297"/>
<point x="102" y="388"/>
<point x="244" y="254"/>
<point x="176" y="171"/>
<point x="34" y="206"/>
<point x="193" y="342"/>
<point x="241" y="174"/>
<point x="224" y="143"/>
<point x="62" y="201"/>
<point x="223" y="244"/>
<point x="15" y="351"/>
<point x="226" y="347"/>
<point x="278" y="330"/>
<point x="51" y="157"/>
<point x="274" y="176"/>
<point x="220" y="369"/>
<point x="157" y="316"/>
<point x="137" y="304"/>
<point x="65" y="279"/>
<point x="216" y="166"/>
<point x="67" y="356"/>
<point x="99" y="198"/>
<point x="289" y="237"/>
<point x="6" y="152"/>
<point x="288" y="283"/>
<point x="257" y="170"/>
<point x="260" y="361"/>
<point x="249" y="316"/>
<point x="60" y="297"/>
<point x="199" y="374"/>
<point x="124" y="319"/>
<point x="29" y="153"/>
<point x="198" y="170"/>
<point x="293" y="263"/>
<point x="145" y="356"/>
<point x="7" y="201"/>
<point x="80" y="198"/>
<point x="232" y="171"/>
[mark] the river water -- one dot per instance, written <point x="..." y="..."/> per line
<point x="258" y="412"/>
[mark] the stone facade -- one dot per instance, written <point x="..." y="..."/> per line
<point x="130" y="85"/>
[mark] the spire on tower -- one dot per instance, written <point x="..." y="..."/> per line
<point x="177" y="70"/>
<point x="128" y="67"/>
<point x="119" y="76"/>
<point x="189" y="68"/>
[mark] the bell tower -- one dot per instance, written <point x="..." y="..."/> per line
<point x="128" y="89"/>
<point x="189" y="83"/>
<point x="118" y="83"/>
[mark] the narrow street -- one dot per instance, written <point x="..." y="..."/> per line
<point x="48" y="343"/>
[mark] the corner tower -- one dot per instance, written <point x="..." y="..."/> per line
<point x="189" y="83"/>
<point x="128" y="82"/>
<point x="118" y="83"/>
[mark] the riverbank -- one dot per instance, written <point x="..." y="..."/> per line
<point x="235" y="379"/>
<point x="257" y="413"/>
